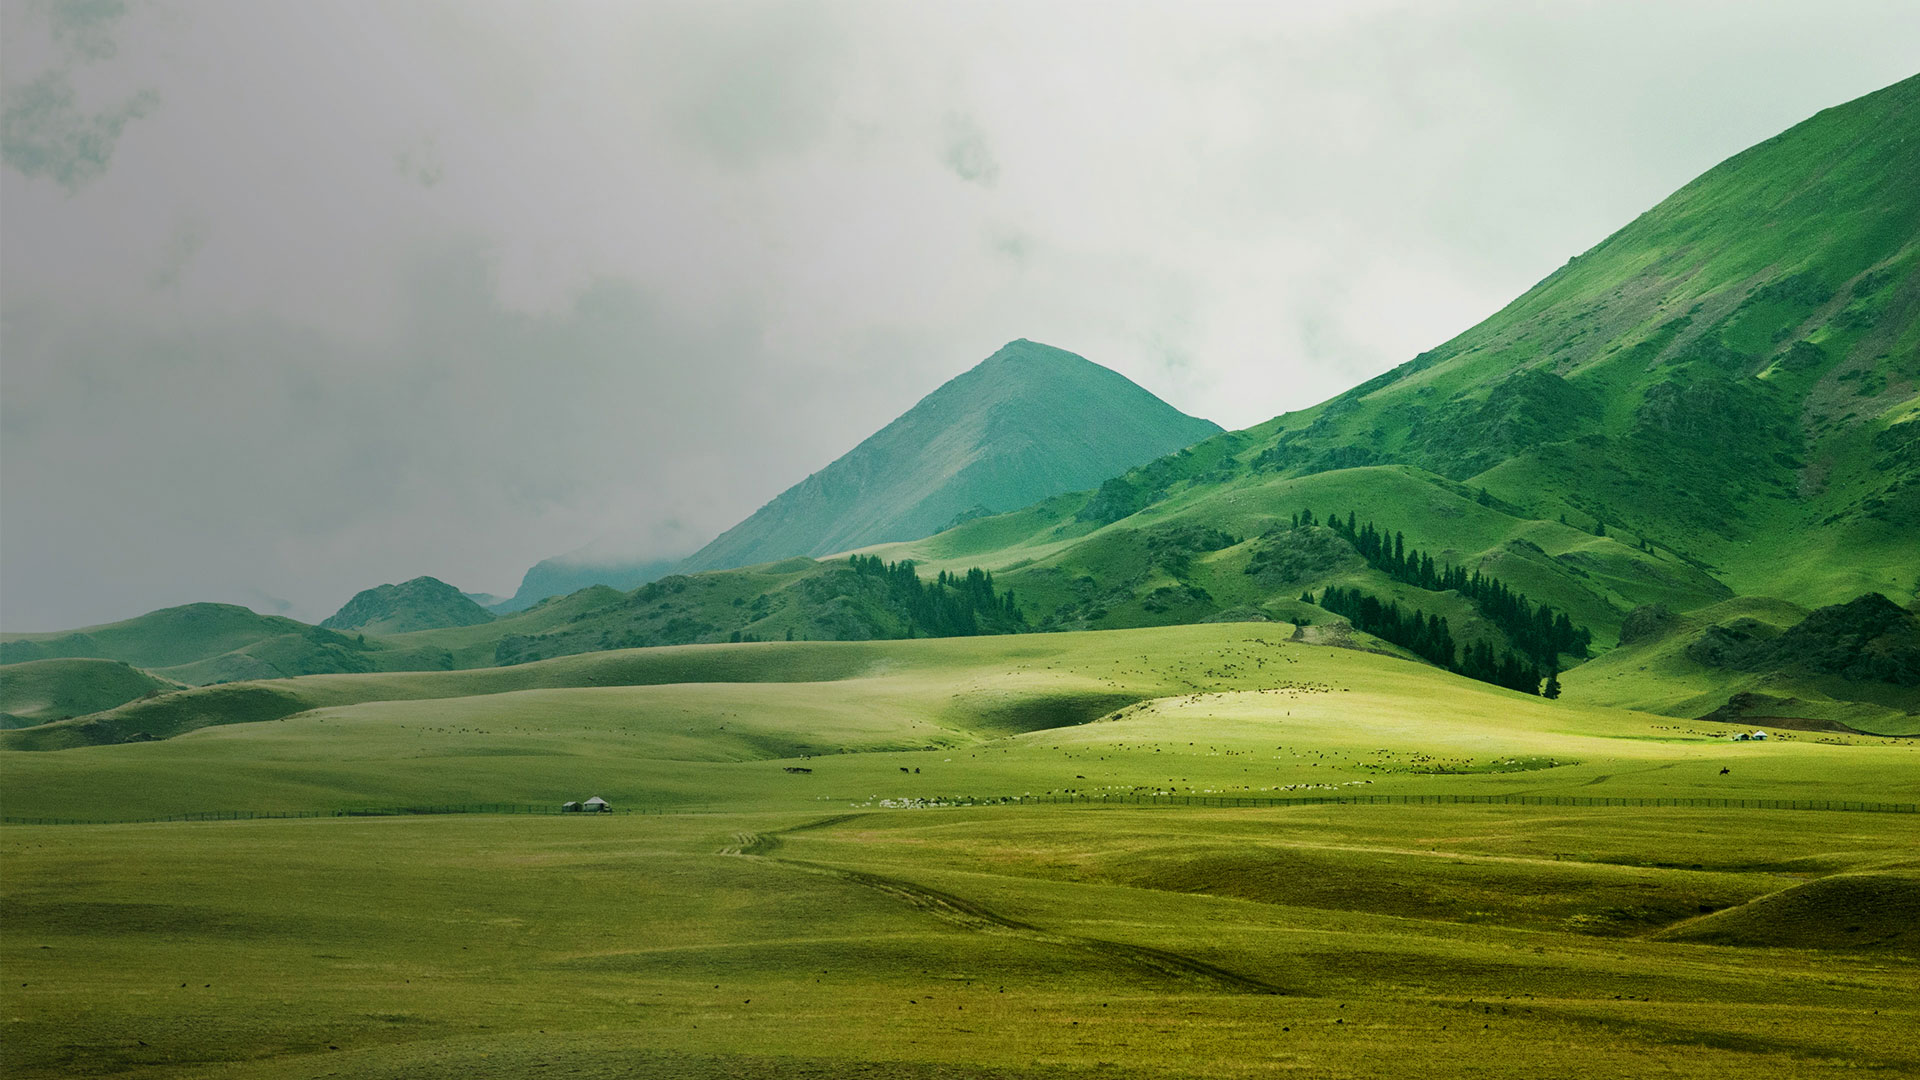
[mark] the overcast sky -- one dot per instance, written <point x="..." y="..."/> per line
<point x="300" y="298"/>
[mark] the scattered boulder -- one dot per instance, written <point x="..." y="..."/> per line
<point x="1646" y="623"/>
<point x="1743" y="644"/>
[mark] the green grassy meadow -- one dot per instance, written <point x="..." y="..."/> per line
<point x="1015" y="942"/>
<point x="849" y="921"/>
<point x="1217" y="709"/>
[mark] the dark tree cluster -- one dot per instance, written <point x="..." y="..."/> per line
<point x="1428" y="636"/>
<point x="1536" y="631"/>
<point x="951" y="605"/>
<point x="1425" y="634"/>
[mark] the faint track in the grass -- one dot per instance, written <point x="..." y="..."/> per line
<point x="969" y="915"/>
<point x="753" y="843"/>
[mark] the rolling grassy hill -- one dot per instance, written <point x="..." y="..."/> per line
<point x="43" y="691"/>
<point x="1680" y="663"/>
<point x="199" y="644"/>
<point x="1214" y="709"/>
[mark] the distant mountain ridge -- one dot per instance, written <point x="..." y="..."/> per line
<point x="208" y="643"/>
<point x="424" y="603"/>
<point x="565" y="574"/>
<point x="1030" y="421"/>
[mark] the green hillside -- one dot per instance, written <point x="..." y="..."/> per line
<point x="43" y="691"/>
<point x="1028" y="422"/>
<point x="1705" y="660"/>
<point x="159" y="639"/>
<point x="198" y="644"/>
<point x="1732" y="377"/>
<point x="424" y="603"/>
<point x="1720" y="400"/>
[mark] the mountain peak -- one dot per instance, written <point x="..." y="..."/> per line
<point x="1026" y="423"/>
<point x="423" y="603"/>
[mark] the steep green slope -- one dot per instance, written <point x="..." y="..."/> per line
<point x="1732" y="376"/>
<point x="424" y="603"/>
<point x="1204" y="547"/>
<point x="1722" y="398"/>
<point x="1028" y="422"/>
<point x="42" y="691"/>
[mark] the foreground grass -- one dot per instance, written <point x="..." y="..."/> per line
<point x="795" y="927"/>
<point x="1019" y="942"/>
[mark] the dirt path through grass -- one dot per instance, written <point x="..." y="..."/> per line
<point x="968" y="915"/>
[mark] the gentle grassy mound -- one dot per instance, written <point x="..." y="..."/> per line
<point x="43" y="691"/>
<point x="1219" y="709"/>
<point x="256" y="702"/>
<point x="1864" y="912"/>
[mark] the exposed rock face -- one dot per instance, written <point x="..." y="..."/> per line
<point x="1645" y="623"/>
<point x="1743" y="644"/>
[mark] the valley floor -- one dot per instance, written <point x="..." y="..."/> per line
<point x="1020" y="942"/>
<point x="806" y="901"/>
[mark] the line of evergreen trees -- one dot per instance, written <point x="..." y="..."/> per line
<point x="951" y="605"/>
<point x="1536" y="631"/>
<point x="1429" y="636"/>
